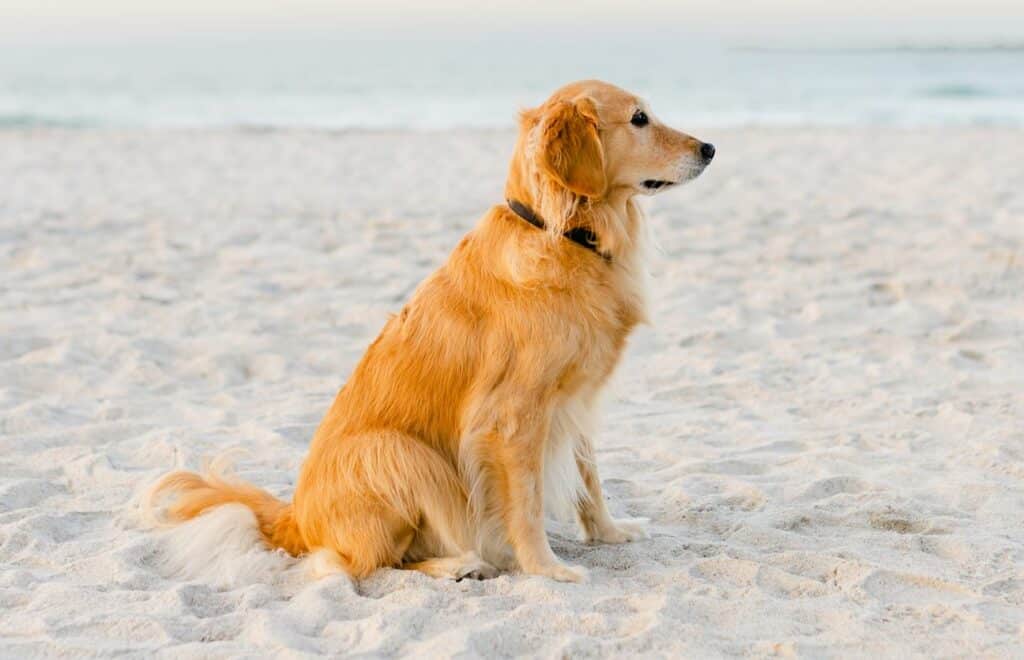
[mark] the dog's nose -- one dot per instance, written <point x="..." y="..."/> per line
<point x="707" y="151"/>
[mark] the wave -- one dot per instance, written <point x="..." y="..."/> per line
<point x="959" y="91"/>
<point x="1008" y="47"/>
<point x="28" y="120"/>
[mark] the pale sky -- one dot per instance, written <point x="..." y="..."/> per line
<point x="745" y="20"/>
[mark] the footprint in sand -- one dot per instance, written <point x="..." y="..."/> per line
<point x="893" y="587"/>
<point x="893" y="522"/>
<point x="748" y="574"/>
<point x="831" y="486"/>
<point x="977" y="330"/>
<point x="945" y="547"/>
<point x="26" y="493"/>
<point x="697" y="495"/>
<point x="1011" y="589"/>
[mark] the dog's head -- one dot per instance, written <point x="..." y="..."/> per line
<point x="594" y="139"/>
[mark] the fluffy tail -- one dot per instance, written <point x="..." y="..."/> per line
<point x="199" y="493"/>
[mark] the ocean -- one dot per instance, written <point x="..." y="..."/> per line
<point x="430" y="84"/>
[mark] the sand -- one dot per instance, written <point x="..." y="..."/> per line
<point x="824" y="426"/>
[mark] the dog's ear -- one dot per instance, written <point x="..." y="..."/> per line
<point x="570" y="148"/>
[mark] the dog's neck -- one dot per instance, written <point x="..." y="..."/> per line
<point x="581" y="236"/>
<point x="613" y="219"/>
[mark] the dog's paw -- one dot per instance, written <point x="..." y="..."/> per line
<point x="620" y="531"/>
<point x="477" y="569"/>
<point x="562" y="573"/>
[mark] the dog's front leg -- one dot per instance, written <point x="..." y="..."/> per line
<point x="592" y="511"/>
<point x="522" y="466"/>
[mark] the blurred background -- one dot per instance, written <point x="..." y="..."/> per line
<point x="439" y="65"/>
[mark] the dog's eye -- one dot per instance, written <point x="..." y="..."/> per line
<point x="639" y="118"/>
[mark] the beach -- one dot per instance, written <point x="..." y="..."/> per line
<point x="823" y="425"/>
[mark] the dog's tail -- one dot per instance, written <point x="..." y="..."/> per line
<point x="198" y="493"/>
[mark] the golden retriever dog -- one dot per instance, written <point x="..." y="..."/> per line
<point x="470" y="416"/>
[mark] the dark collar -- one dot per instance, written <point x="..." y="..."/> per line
<point x="580" y="235"/>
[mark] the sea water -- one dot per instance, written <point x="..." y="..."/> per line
<point x="449" y="83"/>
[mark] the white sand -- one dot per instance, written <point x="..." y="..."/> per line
<point x="825" y="426"/>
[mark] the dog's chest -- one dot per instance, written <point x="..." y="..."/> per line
<point x="572" y="422"/>
<point x="600" y="327"/>
<point x="599" y="337"/>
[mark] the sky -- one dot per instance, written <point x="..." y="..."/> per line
<point x="749" y="22"/>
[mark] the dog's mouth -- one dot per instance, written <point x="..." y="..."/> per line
<point x="652" y="186"/>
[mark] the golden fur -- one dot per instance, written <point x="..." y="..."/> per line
<point x="473" y="405"/>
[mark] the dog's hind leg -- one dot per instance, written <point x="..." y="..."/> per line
<point x="468" y="565"/>
<point x="398" y="502"/>
<point x="323" y="562"/>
